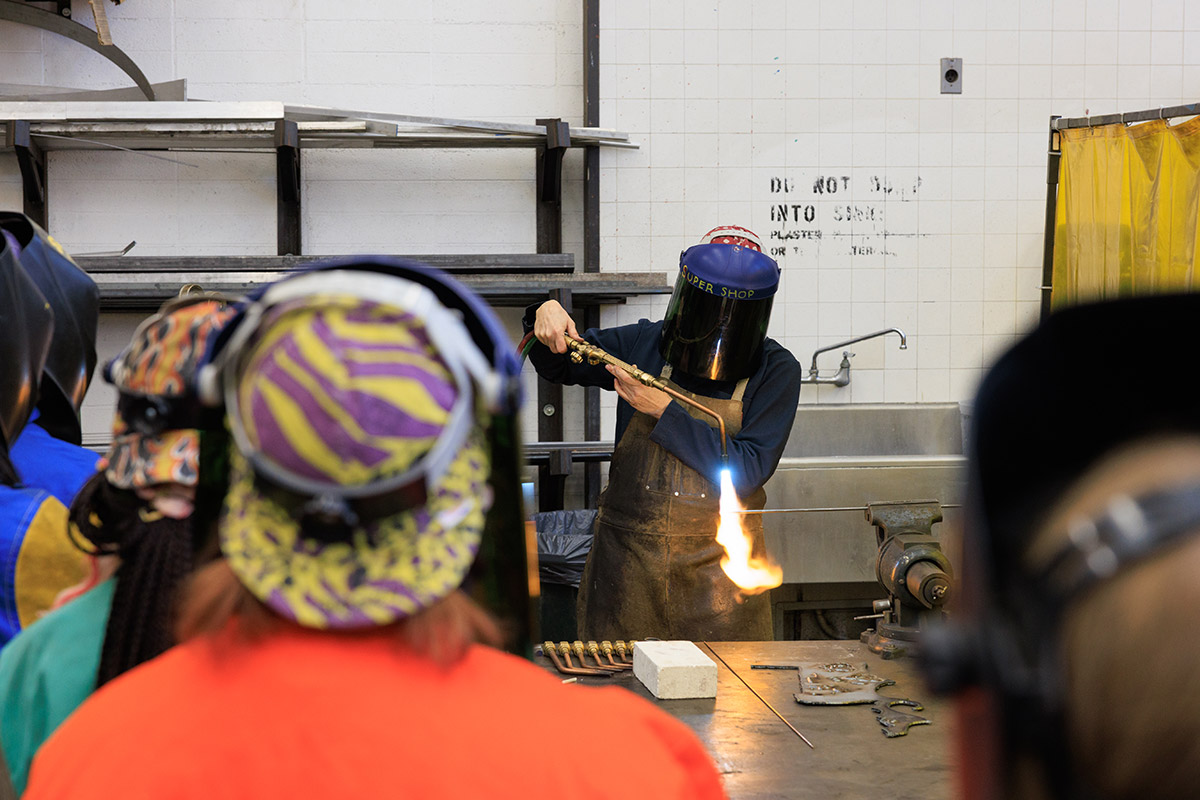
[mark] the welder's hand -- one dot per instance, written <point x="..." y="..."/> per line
<point x="551" y="322"/>
<point x="644" y="398"/>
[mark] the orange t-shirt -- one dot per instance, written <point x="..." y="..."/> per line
<point x="307" y="714"/>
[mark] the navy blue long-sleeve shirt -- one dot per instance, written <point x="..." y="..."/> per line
<point x="768" y="404"/>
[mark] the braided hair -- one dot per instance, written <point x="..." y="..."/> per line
<point x="156" y="553"/>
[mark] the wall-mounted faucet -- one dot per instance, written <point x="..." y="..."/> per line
<point x="842" y="378"/>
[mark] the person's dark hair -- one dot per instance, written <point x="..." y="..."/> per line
<point x="156" y="553"/>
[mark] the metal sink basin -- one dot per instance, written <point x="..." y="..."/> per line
<point x="842" y="457"/>
<point x="876" y="429"/>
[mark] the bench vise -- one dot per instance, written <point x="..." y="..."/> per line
<point x="914" y="572"/>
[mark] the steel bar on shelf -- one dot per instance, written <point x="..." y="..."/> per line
<point x="176" y="124"/>
<point x="78" y="33"/>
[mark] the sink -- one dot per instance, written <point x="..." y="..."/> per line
<point x="876" y="429"/>
<point x="838" y="459"/>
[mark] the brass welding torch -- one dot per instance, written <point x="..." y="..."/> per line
<point x="578" y="350"/>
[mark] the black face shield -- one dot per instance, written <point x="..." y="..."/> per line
<point x="75" y="300"/>
<point x="28" y="326"/>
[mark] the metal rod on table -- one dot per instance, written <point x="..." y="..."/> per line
<point x="596" y="355"/>
<point x="809" y="510"/>
<point x="760" y="697"/>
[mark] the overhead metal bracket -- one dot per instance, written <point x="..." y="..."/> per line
<point x="61" y="24"/>
<point x="63" y="6"/>
<point x="32" y="162"/>
<point x="287" y="182"/>
<point x="549" y="184"/>
<point x="558" y="139"/>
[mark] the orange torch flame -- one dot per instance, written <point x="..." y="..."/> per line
<point x="752" y="575"/>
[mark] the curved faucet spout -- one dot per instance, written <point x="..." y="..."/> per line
<point x="812" y="370"/>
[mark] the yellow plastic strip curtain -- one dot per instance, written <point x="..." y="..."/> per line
<point x="1128" y="214"/>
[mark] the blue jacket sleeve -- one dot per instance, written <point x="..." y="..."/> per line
<point x="767" y="417"/>
<point x="46" y="463"/>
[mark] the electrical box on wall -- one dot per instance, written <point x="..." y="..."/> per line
<point x="951" y="76"/>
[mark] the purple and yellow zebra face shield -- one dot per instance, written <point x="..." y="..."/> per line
<point x="337" y="400"/>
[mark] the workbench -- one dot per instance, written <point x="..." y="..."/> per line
<point x="760" y="758"/>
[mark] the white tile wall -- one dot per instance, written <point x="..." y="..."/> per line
<point x="101" y="399"/>
<point x="10" y="183"/>
<point x="856" y="94"/>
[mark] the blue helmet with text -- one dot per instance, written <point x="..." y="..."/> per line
<point x="719" y="311"/>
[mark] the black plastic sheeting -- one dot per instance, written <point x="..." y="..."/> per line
<point x="564" y="539"/>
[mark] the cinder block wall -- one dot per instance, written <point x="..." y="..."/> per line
<point x="818" y="123"/>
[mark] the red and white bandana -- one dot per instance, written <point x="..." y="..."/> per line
<point x="733" y="234"/>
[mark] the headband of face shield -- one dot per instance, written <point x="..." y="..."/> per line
<point x="152" y="414"/>
<point x="717" y="317"/>
<point x="1043" y="418"/>
<point x="464" y="332"/>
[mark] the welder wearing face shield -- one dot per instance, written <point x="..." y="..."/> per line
<point x="654" y="568"/>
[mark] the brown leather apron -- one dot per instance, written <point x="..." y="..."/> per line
<point x="654" y="570"/>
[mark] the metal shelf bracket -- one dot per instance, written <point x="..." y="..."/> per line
<point x="32" y="162"/>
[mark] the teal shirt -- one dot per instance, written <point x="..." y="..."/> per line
<point x="46" y="671"/>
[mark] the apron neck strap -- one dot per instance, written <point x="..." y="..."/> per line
<point x="738" y="390"/>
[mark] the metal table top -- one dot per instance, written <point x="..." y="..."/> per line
<point x="761" y="758"/>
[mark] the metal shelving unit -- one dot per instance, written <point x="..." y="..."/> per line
<point x="31" y="129"/>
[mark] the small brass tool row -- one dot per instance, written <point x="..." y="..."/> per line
<point x="608" y="657"/>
